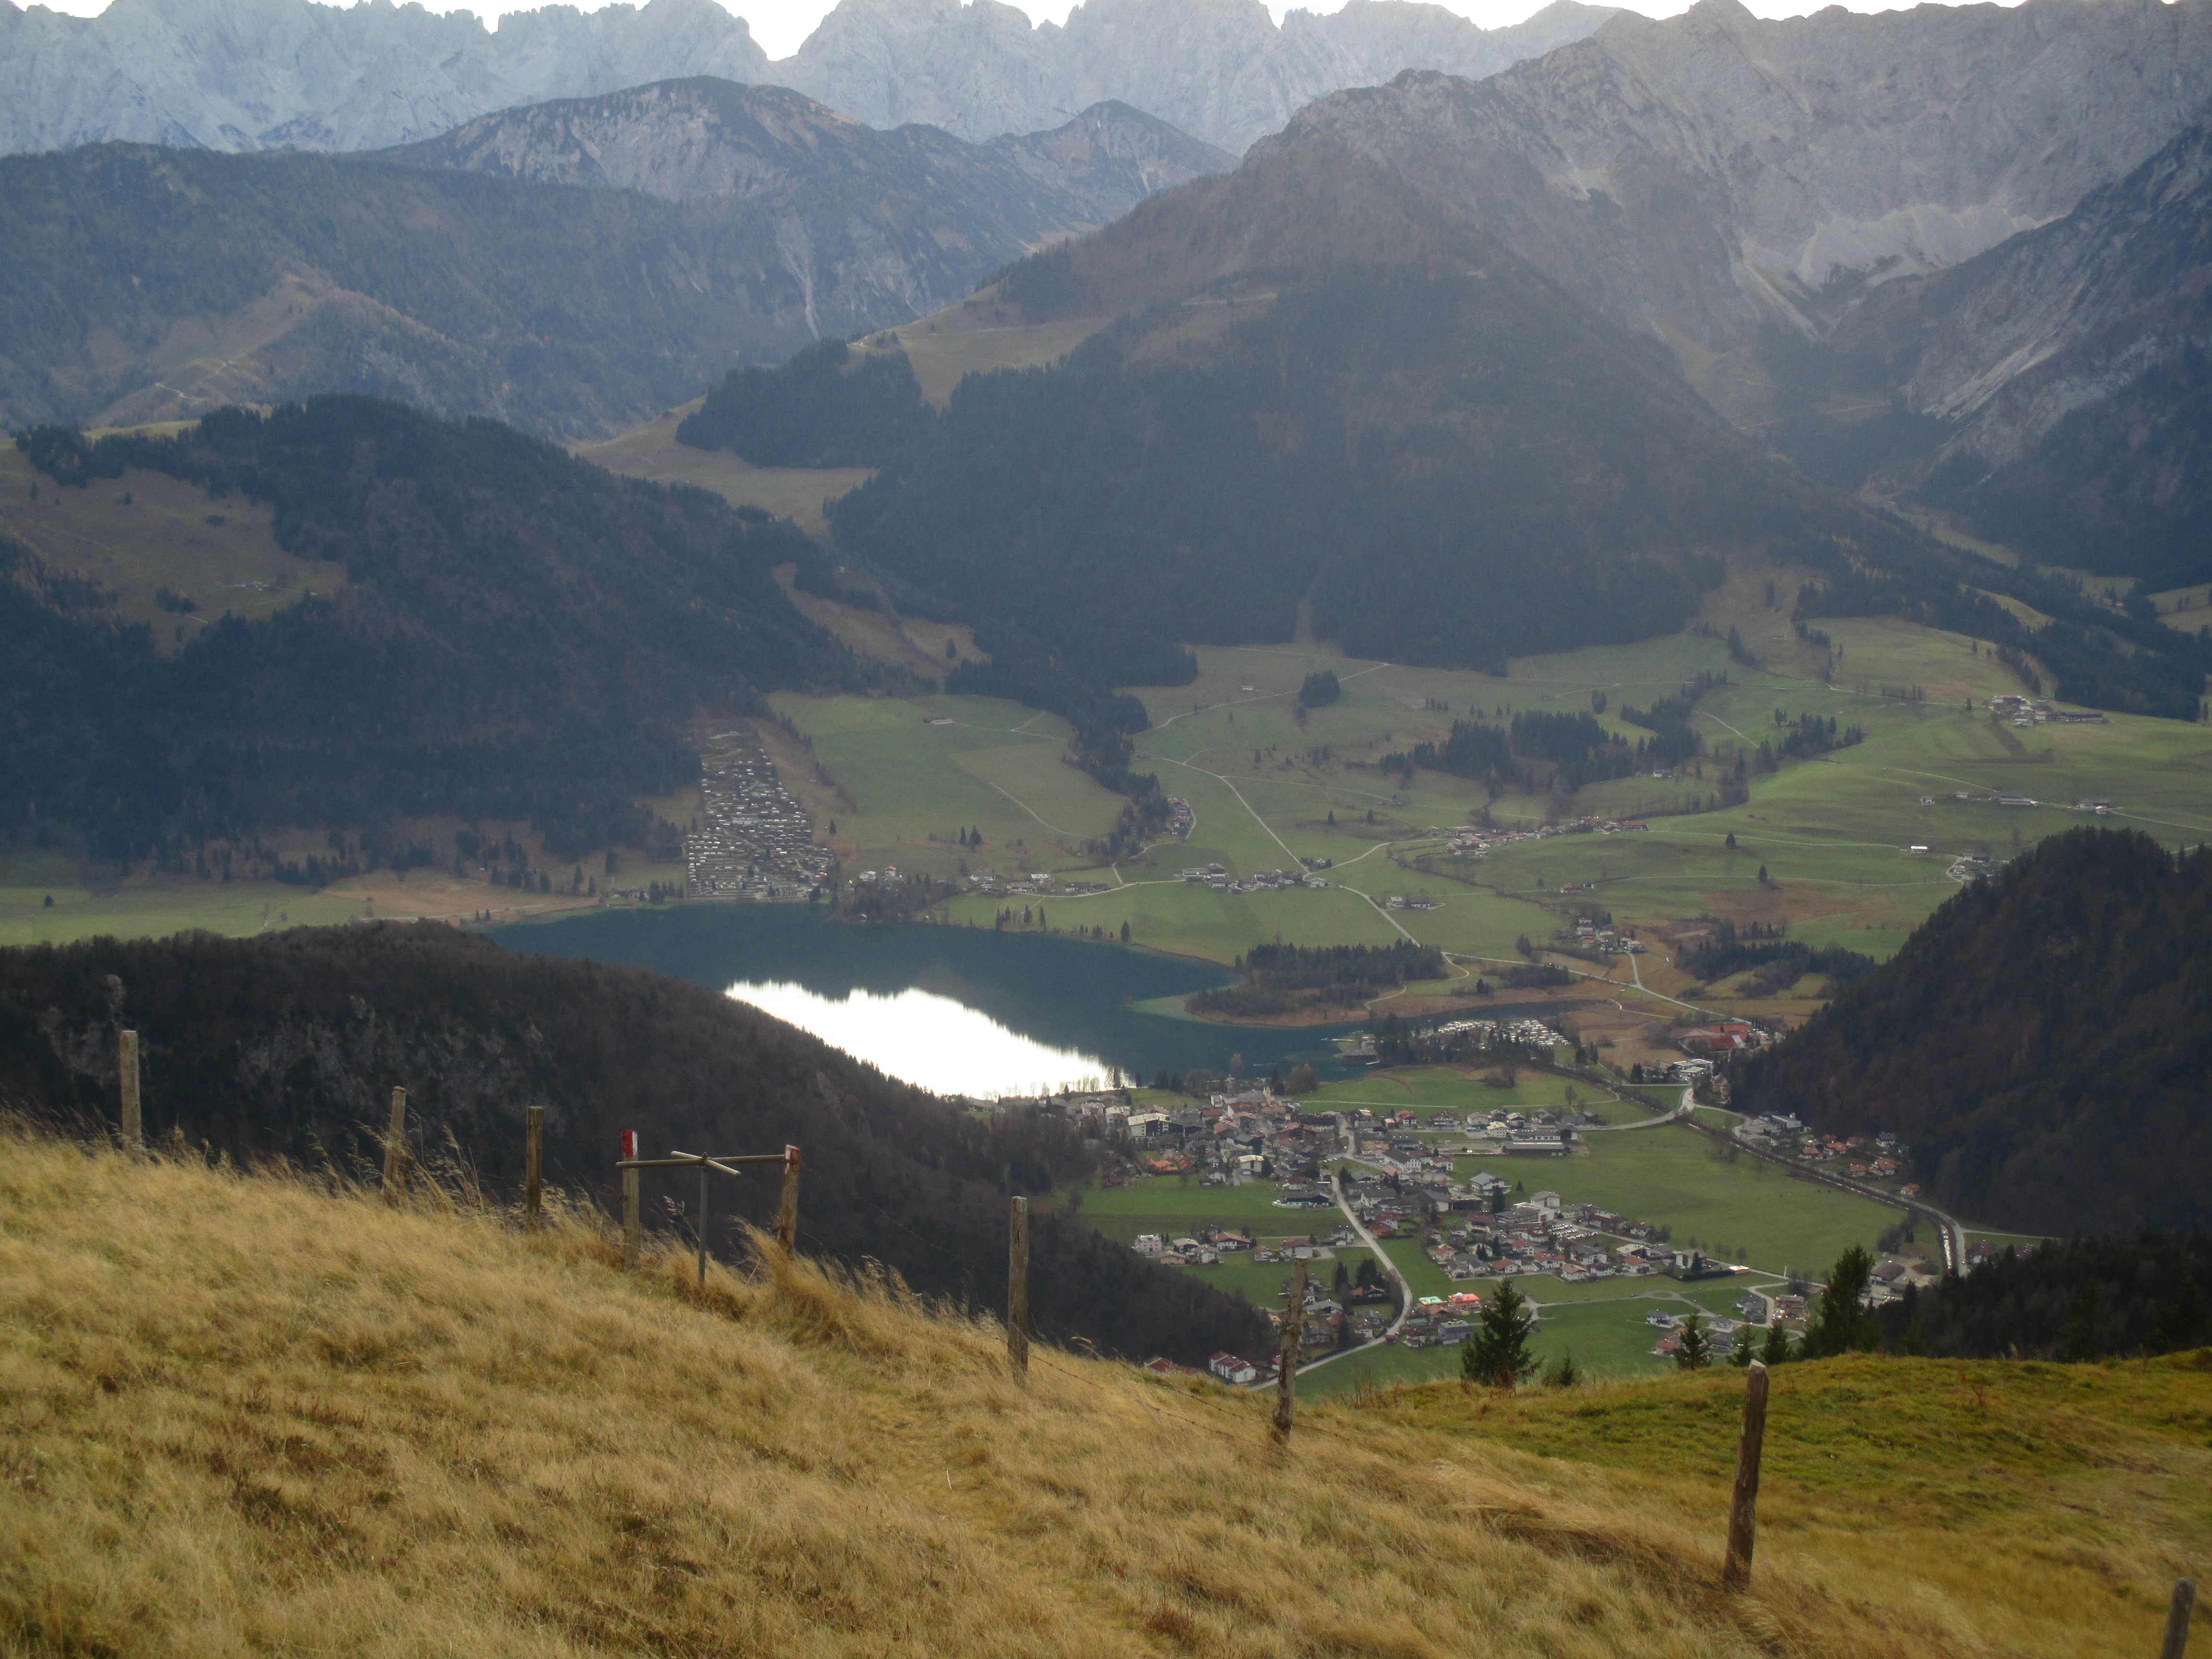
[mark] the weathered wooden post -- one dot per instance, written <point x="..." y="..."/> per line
<point x="2177" y="1619"/>
<point x="533" y="1166"/>
<point x="786" y="1215"/>
<point x="1017" y="1287"/>
<point x="1286" y="1379"/>
<point x="633" y="1232"/>
<point x="395" y="1149"/>
<point x="1743" y="1511"/>
<point x="703" y="1173"/>
<point x="134" y="1128"/>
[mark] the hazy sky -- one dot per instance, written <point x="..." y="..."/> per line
<point x="781" y="25"/>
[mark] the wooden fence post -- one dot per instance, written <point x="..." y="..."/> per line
<point x="395" y="1149"/>
<point x="134" y="1128"/>
<point x="786" y="1216"/>
<point x="703" y="1173"/>
<point x="633" y="1236"/>
<point x="1017" y="1287"/>
<point x="2177" y="1619"/>
<point x="1287" y="1378"/>
<point x="1743" y="1511"/>
<point x="533" y="1166"/>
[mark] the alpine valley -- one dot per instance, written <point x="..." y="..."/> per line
<point x="1178" y="830"/>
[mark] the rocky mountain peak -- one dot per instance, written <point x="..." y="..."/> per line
<point x="246" y="75"/>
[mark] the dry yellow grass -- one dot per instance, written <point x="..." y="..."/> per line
<point x="651" y="452"/>
<point x="975" y="336"/>
<point x="245" y="1414"/>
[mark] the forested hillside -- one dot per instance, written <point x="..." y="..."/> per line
<point x="2071" y="1299"/>
<point x="1326" y="385"/>
<point x="2041" y="1044"/>
<point x="521" y="636"/>
<point x="1323" y="384"/>
<point x="287" y="1047"/>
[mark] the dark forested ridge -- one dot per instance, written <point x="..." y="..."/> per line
<point x="522" y="636"/>
<point x="2041" y="1044"/>
<point x="2070" y="1299"/>
<point x="822" y="408"/>
<point x="287" y="1047"/>
<point x="1450" y="465"/>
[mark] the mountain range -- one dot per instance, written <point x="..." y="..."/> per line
<point x="1905" y="248"/>
<point x="1716" y="177"/>
<point x="248" y="74"/>
<point x="2054" y="391"/>
<point x="572" y="267"/>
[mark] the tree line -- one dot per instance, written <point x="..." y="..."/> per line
<point x="2040" y="1043"/>
<point x="284" y="1048"/>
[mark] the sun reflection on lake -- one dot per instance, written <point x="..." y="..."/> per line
<point x="928" y="1040"/>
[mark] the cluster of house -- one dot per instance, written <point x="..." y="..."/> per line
<point x="1218" y="877"/>
<point x="1526" y="1034"/>
<point x="755" y="839"/>
<point x="1974" y="864"/>
<point x="2035" y="711"/>
<point x="1474" y="842"/>
<point x="1724" y="1041"/>
<point x="1181" y="819"/>
<point x="1232" y="1137"/>
<point x="1589" y="936"/>
<point x="1469" y="1230"/>
<point x="1877" y="1158"/>
<point x="1721" y="1332"/>
<point x="1411" y="901"/>
<point x="1039" y="882"/>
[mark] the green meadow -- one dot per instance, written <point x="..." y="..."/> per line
<point x="137" y="909"/>
<point x="1267" y="790"/>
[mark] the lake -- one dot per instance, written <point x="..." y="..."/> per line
<point x="956" y="1010"/>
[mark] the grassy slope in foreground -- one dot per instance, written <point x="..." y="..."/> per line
<point x="249" y="1415"/>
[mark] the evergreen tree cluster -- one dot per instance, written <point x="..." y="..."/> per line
<point x="1781" y="962"/>
<point x="2040" y="1043"/>
<point x="825" y="407"/>
<point x="1320" y="689"/>
<point x="2070" y="1299"/>
<point x="1332" y="973"/>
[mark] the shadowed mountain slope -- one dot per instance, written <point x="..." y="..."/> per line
<point x="2056" y="389"/>
<point x="521" y="635"/>
<point x="2040" y="1043"/>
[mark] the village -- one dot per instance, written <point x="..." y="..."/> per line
<point x="1269" y="1180"/>
<point x="755" y="839"/>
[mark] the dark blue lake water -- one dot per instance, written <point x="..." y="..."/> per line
<point x="959" y="1010"/>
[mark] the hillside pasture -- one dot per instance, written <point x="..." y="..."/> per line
<point x="145" y="534"/>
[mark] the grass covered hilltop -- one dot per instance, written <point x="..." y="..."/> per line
<point x="267" y="1413"/>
